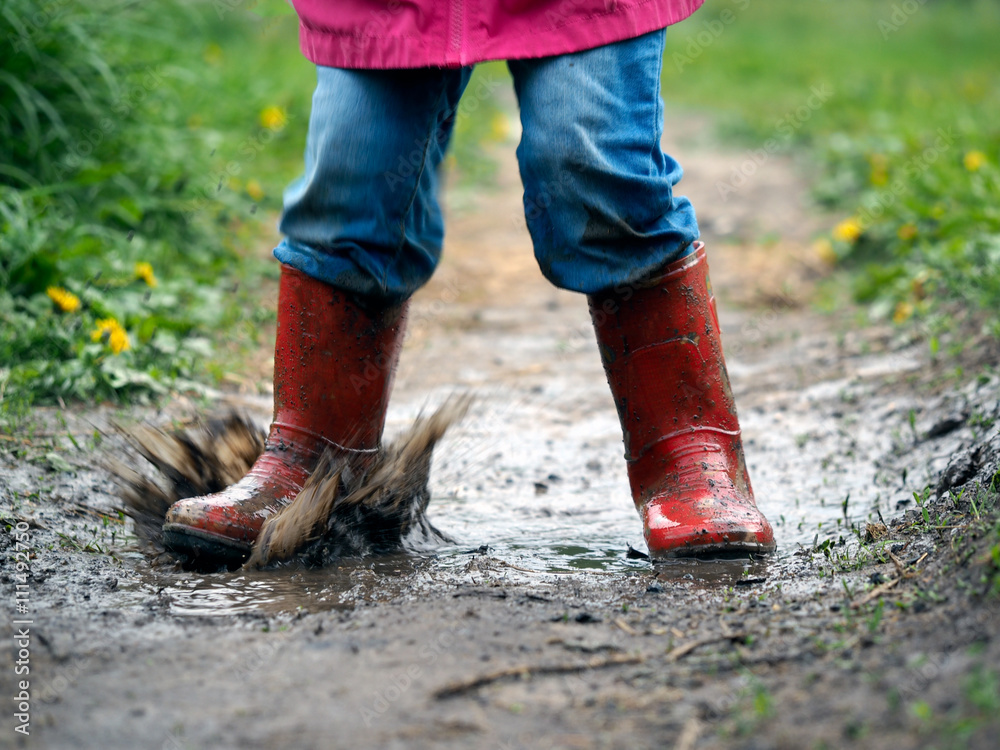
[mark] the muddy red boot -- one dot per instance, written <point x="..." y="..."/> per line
<point x="333" y="370"/>
<point x="660" y="344"/>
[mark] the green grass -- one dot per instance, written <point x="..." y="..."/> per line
<point x="160" y="135"/>
<point x="765" y="61"/>
<point x="127" y="137"/>
<point x="905" y="145"/>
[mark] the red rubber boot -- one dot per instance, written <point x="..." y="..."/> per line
<point x="660" y="343"/>
<point x="333" y="371"/>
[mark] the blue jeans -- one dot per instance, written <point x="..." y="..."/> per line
<point x="598" y="189"/>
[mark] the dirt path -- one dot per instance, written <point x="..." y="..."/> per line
<point x="534" y="630"/>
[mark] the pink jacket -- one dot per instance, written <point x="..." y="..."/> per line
<point x="450" y="33"/>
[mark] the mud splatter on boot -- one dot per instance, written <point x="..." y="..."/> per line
<point x="339" y="513"/>
<point x="334" y="361"/>
<point x="190" y="462"/>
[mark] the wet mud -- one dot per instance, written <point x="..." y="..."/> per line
<point x="536" y="627"/>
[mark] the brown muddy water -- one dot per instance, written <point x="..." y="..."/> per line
<point x="532" y="483"/>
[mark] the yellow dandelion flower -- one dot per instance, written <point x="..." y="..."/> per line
<point x="904" y="311"/>
<point x="111" y="332"/>
<point x="118" y="341"/>
<point x="254" y="190"/>
<point x="65" y="300"/>
<point x="974" y="160"/>
<point x="212" y="54"/>
<point x="973" y="89"/>
<point x="907" y="232"/>
<point x="103" y="325"/>
<point x="273" y="118"/>
<point x="848" y="230"/>
<point x="499" y="127"/>
<point x="879" y="169"/>
<point x="824" y="249"/>
<point x="144" y="271"/>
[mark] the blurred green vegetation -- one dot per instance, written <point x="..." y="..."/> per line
<point x="905" y="140"/>
<point x="140" y="146"/>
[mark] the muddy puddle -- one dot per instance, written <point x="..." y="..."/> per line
<point x="531" y="487"/>
<point x="282" y="590"/>
<point x="294" y="590"/>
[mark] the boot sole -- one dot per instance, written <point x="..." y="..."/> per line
<point x="727" y="551"/>
<point x="202" y="545"/>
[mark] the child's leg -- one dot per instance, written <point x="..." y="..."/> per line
<point x="363" y="232"/>
<point x="598" y="189"/>
<point x="599" y="201"/>
<point x="365" y="217"/>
